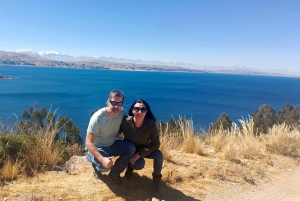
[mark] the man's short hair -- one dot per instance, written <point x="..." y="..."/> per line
<point x="117" y="93"/>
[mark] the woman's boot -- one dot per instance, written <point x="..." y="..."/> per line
<point x="155" y="184"/>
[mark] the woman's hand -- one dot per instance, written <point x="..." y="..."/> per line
<point x="134" y="158"/>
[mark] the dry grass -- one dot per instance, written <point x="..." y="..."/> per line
<point x="42" y="154"/>
<point x="184" y="139"/>
<point x="29" y="152"/>
<point x="193" y="165"/>
<point x="242" y="142"/>
<point x="10" y="171"/>
<point x="187" y="179"/>
<point x="283" y="140"/>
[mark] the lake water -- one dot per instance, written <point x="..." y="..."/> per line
<point x="200" y="96"/>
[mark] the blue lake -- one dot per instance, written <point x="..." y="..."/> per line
<point x="200" y="96"/>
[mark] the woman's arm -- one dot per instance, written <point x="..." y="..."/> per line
<point x="154" y="140"/>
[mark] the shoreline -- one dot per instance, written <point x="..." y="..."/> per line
<point x="169" y="71"/>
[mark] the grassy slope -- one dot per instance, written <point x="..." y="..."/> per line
<point x="185" y="177"/>
<point x="192" y="167"/>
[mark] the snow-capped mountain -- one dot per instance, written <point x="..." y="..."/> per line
<point x="27" y="51"/>
<point x="233" y="68"/>
<point x="55" y="55"/>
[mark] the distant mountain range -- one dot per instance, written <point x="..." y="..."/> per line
<point x="28" y="57"/>
<point x="54" y="55"/>
<point x="24" y="59"/>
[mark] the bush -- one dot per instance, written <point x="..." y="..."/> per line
<point x="11" y="146"/>
<point x="35" y="145"/>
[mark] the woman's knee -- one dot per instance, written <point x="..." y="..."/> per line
<point x="139" y="164"/>
<point x="157" y="155"/>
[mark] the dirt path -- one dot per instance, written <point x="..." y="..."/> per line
<point x="283" y="189"/>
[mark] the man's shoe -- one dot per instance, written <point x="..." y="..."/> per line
<point x="96" y="173"/>
<point x="128" y="173"/>
<point x="115" y="179"/>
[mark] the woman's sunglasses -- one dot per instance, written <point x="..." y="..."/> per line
<point x="142" y="109"/>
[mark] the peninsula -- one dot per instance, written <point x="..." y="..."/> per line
<point x="2" y="77"/>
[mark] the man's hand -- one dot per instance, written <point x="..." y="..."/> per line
<point x="107" y="161"/>
<point x="134" y="158"/>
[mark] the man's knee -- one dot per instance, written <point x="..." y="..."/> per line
<point x="130" y="147"/>
<point x="127" y="147"/>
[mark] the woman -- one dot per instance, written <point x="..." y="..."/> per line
<point x="139" y="127"/>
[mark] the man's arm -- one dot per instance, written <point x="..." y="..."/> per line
<point x="89" y="143"/>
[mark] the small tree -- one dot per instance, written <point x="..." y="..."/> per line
<point x="293" y="117"/>
<point x="222" y="122"/>
<point x="264" y="118"/>
<point x="283" y="112"/>
<point x="37" y="118"/>
<point x="68" y="131"/>
<point x="33" y="118"/>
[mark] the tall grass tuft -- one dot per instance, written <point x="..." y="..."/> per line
<point x="30" y="151"/>
<point x="41" y="150"/>
<point x="183" y="138"/>
<point x="253" y="145"/>
<point x="169" y="141"/>
<point x="238" y="142"/>
<point x="284" y="140"/>
<point x="191" y="141"/>
<point x="10" y="171"/>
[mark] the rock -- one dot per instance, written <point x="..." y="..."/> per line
<point x="58" y="169"/>
<point x="76" y="164"/>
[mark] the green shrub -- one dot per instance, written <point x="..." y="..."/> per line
<point x="63" y="148"/>
<point x="2" y="154"/>
<point x="11" y="146"/>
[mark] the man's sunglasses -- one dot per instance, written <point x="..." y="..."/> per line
<point x="142" y="109"/>
<point x="114" y="103"/>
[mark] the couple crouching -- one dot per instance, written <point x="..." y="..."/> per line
<point x="141" y="140"/>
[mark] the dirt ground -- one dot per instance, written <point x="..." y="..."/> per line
<point x="286" y="188"/>
<point x="181" y="181"/>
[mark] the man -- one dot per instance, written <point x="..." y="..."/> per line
<point x="101" y="139"/>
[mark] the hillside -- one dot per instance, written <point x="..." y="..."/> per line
<point x="21" y="59"/>
<point x="24" y="59"/>
<point x="185" y="177"/>
<point x="195" y="168"/>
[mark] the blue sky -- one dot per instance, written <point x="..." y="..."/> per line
<point x="260" y="34"/>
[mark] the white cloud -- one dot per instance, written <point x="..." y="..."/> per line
<point x="26" y="50"/>
<point x="49" y="52"/>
